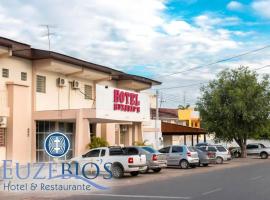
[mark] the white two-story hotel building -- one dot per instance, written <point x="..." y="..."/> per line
<point x="42" y="92"/>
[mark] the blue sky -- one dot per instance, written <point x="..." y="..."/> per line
<point x="150" y="38"/>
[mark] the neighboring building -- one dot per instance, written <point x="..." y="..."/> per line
<point x="189" y="117"/>
<point x="42" y="92"/>
<point x="171" y="130"/>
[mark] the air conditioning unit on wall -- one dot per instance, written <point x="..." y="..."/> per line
<point x="3" y="122"/>
<point x="75" y="85"/>
<point x="61" y="82"/>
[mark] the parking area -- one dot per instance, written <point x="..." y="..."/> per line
<point x="167" y="176"/>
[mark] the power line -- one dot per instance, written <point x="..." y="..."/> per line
<point x="262" y="67"/>
<point x="183" y="86"/>
<point x="219" y="61"/>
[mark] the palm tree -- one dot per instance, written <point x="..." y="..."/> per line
<point x="181" y="107"/>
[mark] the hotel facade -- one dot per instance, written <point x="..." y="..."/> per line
<point x="43" y="92"/>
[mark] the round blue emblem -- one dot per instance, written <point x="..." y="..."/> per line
<point x="56" y="144"/>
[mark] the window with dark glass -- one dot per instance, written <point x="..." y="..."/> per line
<point x="5" y="73"/>
<point x="87" y="91"/>
<point x="23" y="76"/>
<point x="177" y="149"/>
<point x="41" y="84"/>
<point x="165" y="150"/>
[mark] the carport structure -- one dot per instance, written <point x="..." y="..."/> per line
<point x="169" y="129"/>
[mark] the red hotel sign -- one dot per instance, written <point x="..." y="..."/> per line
<point x="126" y="101"/>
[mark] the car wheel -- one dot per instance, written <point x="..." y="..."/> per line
<point x="117" y="171"/>
<point x="136" y="173"/>
<point x="219" y="160"/>
<point x="264" y="155"/>
<point x="157" y="170"/>
<point x="205" y="164"/>
<point x="184" y="164"/>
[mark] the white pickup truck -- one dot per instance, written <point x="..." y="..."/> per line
<point x="120" y="162"/>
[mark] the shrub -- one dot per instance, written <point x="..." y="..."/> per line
<point x="139" y="143"/>
<point x="97" y="142"/>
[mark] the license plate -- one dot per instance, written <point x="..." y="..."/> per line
<point x="141" y="167"/>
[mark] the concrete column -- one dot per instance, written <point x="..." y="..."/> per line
<point x="82" y="135"/>
<point x="128" y="136"/>
<point x="19" y="123"/>
<point x="110" y="133"/>
<point x="140" y="137"/>
<point x="117" y="134"/>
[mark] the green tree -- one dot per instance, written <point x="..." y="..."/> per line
<point x="236" y="106"/>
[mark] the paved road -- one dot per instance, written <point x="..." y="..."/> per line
<point x="242" y="183"/>
<point x="240" y="179"/>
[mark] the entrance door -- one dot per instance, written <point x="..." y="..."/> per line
<point x="43" y="129"/>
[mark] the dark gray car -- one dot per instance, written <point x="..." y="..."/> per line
<point x="206" y="157"/>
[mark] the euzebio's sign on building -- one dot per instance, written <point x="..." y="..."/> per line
<point x="126" y="101"/>
<point x="122" y="105"/>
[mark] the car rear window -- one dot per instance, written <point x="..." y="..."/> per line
<point x="202" y="149"/>
<point x="192" y="149"/>
<point x="150" y="149"/>
<point x="212" y="149"/>
<point x="221" y="149"/>
<point x="116" y="151"/>
<point x="130" y="151"/>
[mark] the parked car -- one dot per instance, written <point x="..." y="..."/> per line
<point x="258" y="149"/>
<point x="155" y="160"/>
<point x="222" y="154"/>
<point x="182" y="156"/>
<point x="206" y="157"/>
<point x="120" y="161"/>
<point x="202" y="144"/>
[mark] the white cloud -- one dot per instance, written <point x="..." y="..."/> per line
<point x="126" y="33"/>
<point x="262" y="7"/>
<point x="235" y="5"/>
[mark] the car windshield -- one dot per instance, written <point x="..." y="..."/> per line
<point x="192" y="149"/>
<point x="221" y="149"/>
<point x="150" y="150"/>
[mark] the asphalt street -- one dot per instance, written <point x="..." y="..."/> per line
<point x="246" y="182"/>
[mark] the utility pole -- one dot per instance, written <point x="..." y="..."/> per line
<point x="48" y="34"/>
<point x="184" y="98"/>
<point x="156" y="120"/>
<point x="161" y="100"/>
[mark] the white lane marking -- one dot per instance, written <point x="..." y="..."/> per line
<point x="212" y="191"/>
<point x="138" y="196"/>
<point x="256" y="178"/>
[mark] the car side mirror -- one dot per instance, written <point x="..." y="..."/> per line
<point x="84" y="155"/>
